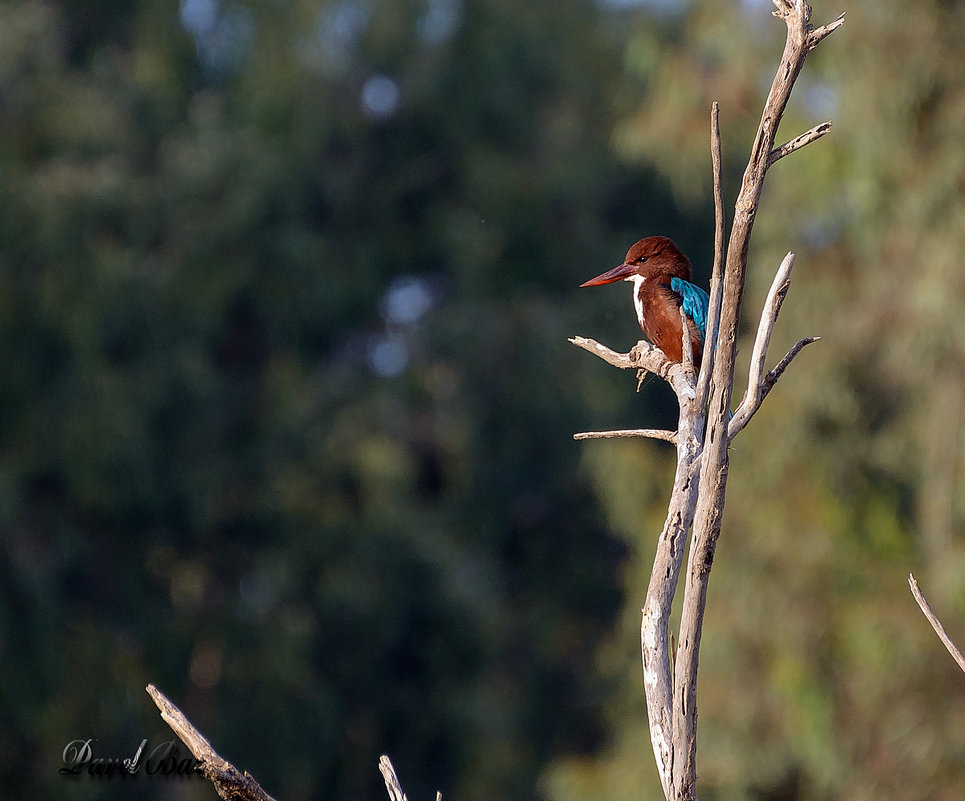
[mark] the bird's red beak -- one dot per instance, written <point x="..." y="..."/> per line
<point x="616" y="274"/>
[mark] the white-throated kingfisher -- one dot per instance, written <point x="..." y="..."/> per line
<point x="661" y="277"/>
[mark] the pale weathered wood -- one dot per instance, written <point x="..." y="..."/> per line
<point x="652" y="433"/>
<point x="642" y="356"/>
<point x="801" y="38"/>
<point x="759" y="383"/>
<point x="800" y="141"/>
<point x="668" y="558"/>
<point x="936" y="624"/>
<point x="230" y="783"/>
<point x="705" y="426"/>
<point x="716" y="276"/>
<point x="392" y="784"/>
<point x="654" y="640"/>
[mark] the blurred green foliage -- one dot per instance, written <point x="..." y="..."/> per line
<point x="286" y="417"/>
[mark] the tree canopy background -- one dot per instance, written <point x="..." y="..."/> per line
<point x="286" y="409"/>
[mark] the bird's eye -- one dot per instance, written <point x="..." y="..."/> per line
<point x="642" y="259"/>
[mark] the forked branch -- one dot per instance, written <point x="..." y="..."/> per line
<point x="705" y="426"/>
<point x="715" y="461"/>
<point x="759" y="384"/>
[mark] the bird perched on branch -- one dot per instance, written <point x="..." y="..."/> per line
<point x="661" y="277"/>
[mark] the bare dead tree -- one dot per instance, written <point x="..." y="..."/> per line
<point x="705" y="427"/>
<point x="704" y="432"/>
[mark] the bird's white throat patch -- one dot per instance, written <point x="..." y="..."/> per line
<point x="638" y="281"/>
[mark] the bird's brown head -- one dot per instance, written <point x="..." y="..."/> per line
<point x="652" y="256"/>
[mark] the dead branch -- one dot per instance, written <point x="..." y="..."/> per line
<point x="230" y="783"/>
<point x="801" y="38"/>
<point x="654" y="639"/>
<point x="705" y="428"/>
<point x="670" y="545"/>
<point x="816" y="35"/>
<point x="651" y="433"/>
<point x="771" y="378"/>
<point x="936" y="624"/>
<point x="759" y="384"/>
<point x="643" y="356"/>
<point x="800" y="141"/>
<point x="392" y="784"/>
<point x="716" y="284"/>
<point x="772" y="307"/>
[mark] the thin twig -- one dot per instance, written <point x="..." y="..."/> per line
<point x="816" y="35"/>
<point x="771" y="378"/>
<point x="800" y="141"/>
<point x="936" y="624"/>
<point x="740" y="420"/>
<point x="717" y="274"/>
<point x="643" y="356"/>
<point x="652" y="433"/>
<point x="230" y="783"/>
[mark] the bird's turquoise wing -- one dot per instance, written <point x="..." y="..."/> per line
<point x="695" y="302"/>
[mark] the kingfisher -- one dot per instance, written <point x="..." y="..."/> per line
<point x="661" y="276"/>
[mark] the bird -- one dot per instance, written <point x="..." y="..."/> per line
<point x="661" y="276"/>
